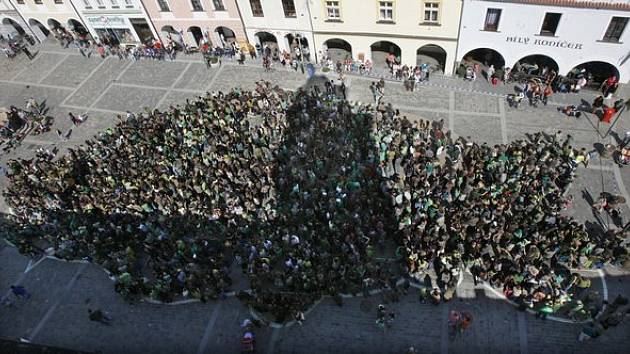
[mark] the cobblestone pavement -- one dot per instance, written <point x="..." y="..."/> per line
<point x="62" y="292"/>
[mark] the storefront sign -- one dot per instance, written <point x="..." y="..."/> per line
<point x="107" y="21"/>
<point x="545" y="42"/>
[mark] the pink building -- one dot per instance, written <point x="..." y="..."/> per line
<point x="196" y="21"/>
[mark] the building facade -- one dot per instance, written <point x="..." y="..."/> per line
<point x="282" y="24"/>
<point x="44" y="16"/>
<point x="117" y="21"/>
<point x="415" y="31"/>
<point x="193" y="21"/>
<point x="559" y="34"/>
<point x="11" y="22"/>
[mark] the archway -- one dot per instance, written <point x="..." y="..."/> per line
<point x="77" y="27"/>
<point x="266" y="39"/>
<point x="196" y="34"/>
<point x="170" y="33"/>
<point x="536" y="64"/>
<point x="432" y="54"/>
<point x="54" y="25"/>
<point x="226" y="35"/>
<point x="338" y="49"/>
<point x="485" y="57"/>
<point x="294" y="40"/>
<point x="597" y="71"/>
<point x="17" y="29"/>
<point x="39" y="29"/>
<point x="381" y="51"/>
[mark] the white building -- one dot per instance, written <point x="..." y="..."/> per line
<point x="281" y="23"/>
<point x="11" y="23"/>
<point x="415" y="31"/>
<point x="560" y="34"/>
<point x="44" y="16"/>
<point x="122" y="21"/>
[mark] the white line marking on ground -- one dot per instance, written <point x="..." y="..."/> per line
<point x="54" y="306"/>
<point x="601" y="275"/>
<point x="122" y="72"/>
<point x="214" y="78"/>
<point x="18" y="281"/>
<point x="35" y="84"/>
<point x="170" y="89"/>
<point x="28" y="66"/>
<point x="96" y="68"/>
<point x="206" y="334"/>
<point x="504" y="137"/>
<point x="451" y="111"/>
<point x="601" y="168"/>
<point x="522" y="333"/>
<point x="444" y="331"/>
<point x="275" y="336"/>
<point x="94" y="109"/>
<point x="620" y="184"/>
<point x="54" y="67"/>
<point x="32" y="265"/>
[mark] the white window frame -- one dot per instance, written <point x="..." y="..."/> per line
<point x="222" y="4"/>
<point x="623" y="32"/>
<point x="431" y="11"/>
<point x="168" y="6"/>
<point x="129" y="3"/>
<point x="192" y="7"/>
<point x="114" y="3"/>
<point x="383" y="7"/>
<point x="328" y="7"/>
<point x="261" y="9"/>
<point x="485" y="17"/>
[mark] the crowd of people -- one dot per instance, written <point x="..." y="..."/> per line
<point x="302" y="190"/>
<point x="17" y="123"/>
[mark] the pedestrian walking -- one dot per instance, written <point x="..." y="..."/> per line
<point x="99" y="316"/>
<point x="27" y="52"/>
<point x="20" y="292"/>
<point x="490" y="73"/>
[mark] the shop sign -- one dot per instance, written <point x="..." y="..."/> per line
<point x="544" y="42"/>
<point x="107" y="21"/>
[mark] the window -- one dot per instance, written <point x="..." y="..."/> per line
<point x="58" y="1"/>
<point x="386" y="10"/>
<point x="431" y="12"/>
<point x="196" y="5"/>
<point x="163" y="6"/>
<point x="38" y="2"/>
<point x="615" y="29"/>
<point x="289" y="8"/>
<point x="129" y="3"/>
<point x="332" y="10"/>
<point x="218" y="5"/>
<point x="87" y="4"/>
<point x="114" y="3"/>
<point x="492" y="20"/>
<point x="21" y="2"/>
<point x="550" y="24"/>
<point x="257" y="10"/>
<point x="100" y="3"/>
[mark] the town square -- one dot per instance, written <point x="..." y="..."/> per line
<point x="232" y="192"/>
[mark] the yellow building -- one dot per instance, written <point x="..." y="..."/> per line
<point x="415" y="31"/>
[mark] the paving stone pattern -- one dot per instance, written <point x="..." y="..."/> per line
<point x="62" y="292"/>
